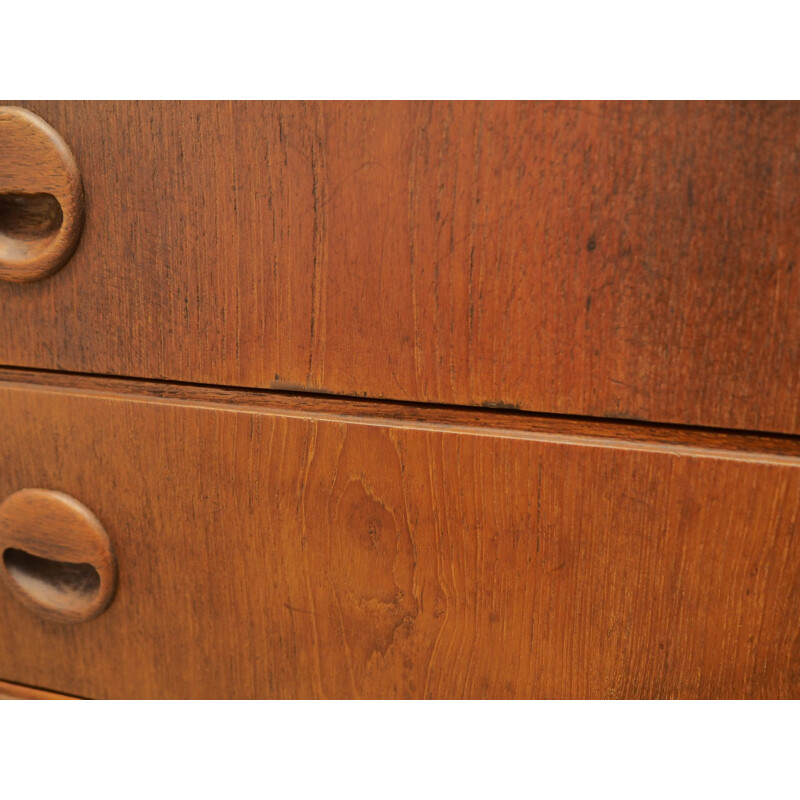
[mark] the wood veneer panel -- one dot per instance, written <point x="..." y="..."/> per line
<point x="626" y="260"/>
<point x="267" y="554"/>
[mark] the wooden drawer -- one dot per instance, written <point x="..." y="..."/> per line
<point x="620" y="260"/>
<point x="277" y="548"/>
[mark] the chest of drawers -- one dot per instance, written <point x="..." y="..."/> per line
<point x="414" y="400"/>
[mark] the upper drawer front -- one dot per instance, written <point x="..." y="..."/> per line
<point x="613" y="259"/>
<point x="278" y="554"/>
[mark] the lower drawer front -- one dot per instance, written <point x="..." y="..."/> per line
<point x="264" y="553"/>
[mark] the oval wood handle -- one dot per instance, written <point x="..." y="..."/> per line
<point x="56" y="557"/>
<point x="41" y="197"/>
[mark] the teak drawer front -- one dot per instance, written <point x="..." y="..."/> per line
<point x="628" y="260"/>
<point x="264" y="553"/>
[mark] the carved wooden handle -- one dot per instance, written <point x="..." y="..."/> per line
<point x="56" y="557"/>
<point x="41" y="197"/>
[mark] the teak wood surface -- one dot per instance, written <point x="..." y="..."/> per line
<point x="623" y="260"/>
<point x="270" y="553"/>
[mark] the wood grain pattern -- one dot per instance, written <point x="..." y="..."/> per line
<point x="41" y="198"/>
<point x="14" y="691"/>
<point x="268" y="554"/>
<point x="623" y="260"/>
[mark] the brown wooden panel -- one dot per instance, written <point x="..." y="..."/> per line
<point x="623" y="260"/>
<point x="270" y="553"/>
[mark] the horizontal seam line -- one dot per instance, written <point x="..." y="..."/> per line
<point x="496" y="411"/>
<point x="604" y="436"/>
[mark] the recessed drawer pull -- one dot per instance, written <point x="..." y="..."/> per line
<point x="41" y="197"/>
<point x="56" y="557"/>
